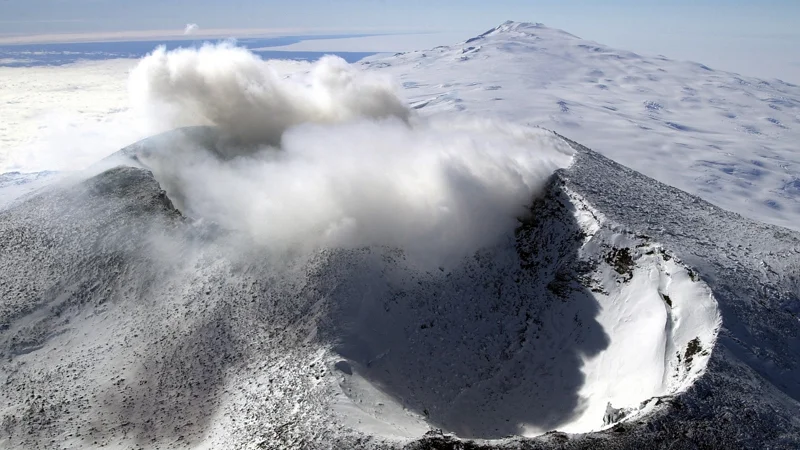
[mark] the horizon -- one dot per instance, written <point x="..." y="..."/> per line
<point x="750" y="39"/>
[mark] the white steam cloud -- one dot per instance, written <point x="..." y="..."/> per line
<point x="333" y="157"/>
<point x="233" y="89"/>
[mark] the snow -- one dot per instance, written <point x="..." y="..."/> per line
<point x="355" y="339"/>
<point x="648" y="337"/>
<point x="617" y="301"/>
<point x="645" y="340"/>
<point x="726" y="137"/>
<point x="16" y="186"/>
<point x="362" y="406"/>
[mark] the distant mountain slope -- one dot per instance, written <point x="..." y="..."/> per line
<point x="728" y="138"/>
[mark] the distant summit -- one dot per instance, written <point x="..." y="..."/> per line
<point x="512" y="28"/>
<point x="633" y="107"/>
<point x="510" y="25"/>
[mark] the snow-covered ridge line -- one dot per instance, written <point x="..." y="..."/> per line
<point x="520" y="28"/>
<point x="748" y="267"/>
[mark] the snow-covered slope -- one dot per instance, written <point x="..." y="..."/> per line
<point x="614" y="308"/>
<point x="728" y="138"/>
<point x="574" y="321"/>
<point x="125" y="324"/>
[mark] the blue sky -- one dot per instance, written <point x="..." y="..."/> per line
<point x="38" y="16"/>
<point x="761" y="35"/>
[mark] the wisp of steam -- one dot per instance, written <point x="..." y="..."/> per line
<point x="331" y="156"/>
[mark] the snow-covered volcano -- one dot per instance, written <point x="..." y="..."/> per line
<point x="430" y="291"/>
<point x="569" y="322"/>
<point x="728" y="138"/>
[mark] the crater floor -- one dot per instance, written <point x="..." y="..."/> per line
<point x="574" y="327"/>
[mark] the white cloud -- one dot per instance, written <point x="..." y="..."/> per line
<point x="191" y="28"/>
<point x="248" y="99"/>
<point x="332" y="157"/>
<point x="329" y="154"/>
<point x="65" y="118"/>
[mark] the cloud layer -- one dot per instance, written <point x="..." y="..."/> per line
<point x="65" y="118"/>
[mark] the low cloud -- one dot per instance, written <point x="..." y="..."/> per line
<point x="47" y="123"/>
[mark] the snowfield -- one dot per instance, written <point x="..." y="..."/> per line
<point x="316" y="263"/>
<point x="727" y="138"/>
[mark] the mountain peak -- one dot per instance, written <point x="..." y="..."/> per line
<point x="510" y="27"/>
